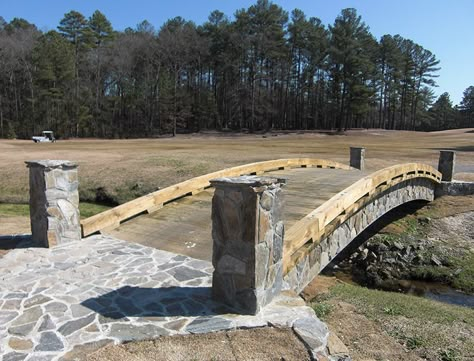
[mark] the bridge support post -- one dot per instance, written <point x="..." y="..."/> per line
<point x="446" y="164"/>
<point x="247" y="234"/>
<point x="54" y="202"/>
<point x="357" y="159"/>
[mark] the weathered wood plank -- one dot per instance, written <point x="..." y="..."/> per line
<point x="349" y="201"/>
<point x="184" y="226"/>
<point x="112" y="217"/>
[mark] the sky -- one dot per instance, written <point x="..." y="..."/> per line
<point x="446" y="28"/>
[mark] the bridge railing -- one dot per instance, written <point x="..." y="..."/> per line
<point x="323" y="220"/>
<point x="111" y="218"/>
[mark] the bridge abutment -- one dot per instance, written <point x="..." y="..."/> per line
<point x="54" y="202"/>
<point x="247" y="234"/>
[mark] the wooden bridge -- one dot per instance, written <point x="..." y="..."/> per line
<point x="321" y="199"/>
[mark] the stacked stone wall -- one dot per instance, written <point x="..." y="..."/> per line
<point x="247" y="237"/>
<point x="54" y="202"/>
<point x="319" y="255"/>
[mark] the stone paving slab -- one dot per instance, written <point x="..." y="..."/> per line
<point x="61" y="302"/>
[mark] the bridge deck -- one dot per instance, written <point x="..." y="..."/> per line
<point x="184" y="226"/>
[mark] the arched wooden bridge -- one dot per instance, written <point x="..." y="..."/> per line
<point x="326" y="205"/>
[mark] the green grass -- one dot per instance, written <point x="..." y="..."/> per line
<point x="409" y="224"/>
<point x="322" y="309"/>
<point x="90" y="209"/>
<point x="380" y="303"/>
<point x="433" y="330"/>
<point x="23" y="210"/>
<point x="459" y="274"/>
<point x="449" y="355"/>
<point x="464" y="280"/>
<point x="19" y="210"/>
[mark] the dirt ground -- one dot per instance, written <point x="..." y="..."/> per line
<point x="364" y="338"/>
<point x="261" y="344"/>
<point x="125" y="168"/>
<point x="13" y="225"/>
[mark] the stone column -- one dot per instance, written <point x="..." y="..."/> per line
<point x="357" y="158"/>
<point x="247" y="234"/>
<point x="54" y="202"/>
<point x="446" y="164"/>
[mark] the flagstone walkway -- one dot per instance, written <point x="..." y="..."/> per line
<point x="58" y="303"/>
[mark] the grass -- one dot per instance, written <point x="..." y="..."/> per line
<point x="23" y="210"/>
<point x="464" y="280"/>
<point x="455" y="252"/>
<point x="115" y="165"/>
<point x="449" y="355"/>
<point x="459" y="273"/>
<point x="375" y="302"/>
<point x="409" y="224"/>
<point x="322" y="309"/>
<point x="434" y="330"/>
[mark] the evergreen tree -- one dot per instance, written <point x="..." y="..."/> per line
<point x="442" y="113"/>
<point x="259" y="71"/>
<point x="101" y="34"/>
<point x="53" y="58"/>
<point x="467" y="108"/>
<point x="351" y="48"/>
<point x="74" y="28"/>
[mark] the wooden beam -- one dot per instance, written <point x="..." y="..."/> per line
<point x="112" y="217"/>
<point x="317" y="224"/>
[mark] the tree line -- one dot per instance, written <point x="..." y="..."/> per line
<point x="265" y="69"/>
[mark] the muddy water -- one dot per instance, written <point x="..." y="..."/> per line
<point x="436" y="291"/>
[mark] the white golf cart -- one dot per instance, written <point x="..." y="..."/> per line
<point x="46" y="137"/>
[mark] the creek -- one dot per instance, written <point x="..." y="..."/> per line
<point x="432" y="290"/>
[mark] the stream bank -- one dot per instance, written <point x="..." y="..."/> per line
<point x="425" y="250"/>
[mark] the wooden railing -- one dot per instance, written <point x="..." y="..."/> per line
<point x="321" y="222"/>
<point x="111" y="218"/>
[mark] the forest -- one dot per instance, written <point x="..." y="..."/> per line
<point x="262" y="69"/>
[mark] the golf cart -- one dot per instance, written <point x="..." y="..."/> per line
<point x="46" y="137"/>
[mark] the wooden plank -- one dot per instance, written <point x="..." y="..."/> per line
<point x="348" y="201"/>
<point x="155" y="208"/>
<point x="114" y="216"/>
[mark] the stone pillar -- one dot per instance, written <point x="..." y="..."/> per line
<point x="54" y="202"/>
<point x="446" y="164"/>
<point x="357" y="158"/>
<point x="247" y="234"/>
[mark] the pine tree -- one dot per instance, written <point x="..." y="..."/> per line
<point x="466" y="107"/>
<point x="101" y="34"/>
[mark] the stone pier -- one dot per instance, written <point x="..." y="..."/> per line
<point x="54" y="202"/>
<point x="446" y="164"/>
<point x="247" y="234"/>
<point x="357" y="159"/>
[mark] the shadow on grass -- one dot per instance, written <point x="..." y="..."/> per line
<point x="131" y="301"/>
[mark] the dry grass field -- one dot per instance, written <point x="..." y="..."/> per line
<point x="120" y="170"/>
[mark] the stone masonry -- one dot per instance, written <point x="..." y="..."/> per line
<point x="60" y="304"/>
<point x="54" y="202"/>
<point x="319" y="255"/>
<point x="357" y="158"/>
<point x="446" y="164"/>
<point x="247" y="234"/>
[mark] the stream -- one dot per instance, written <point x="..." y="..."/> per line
<point x="431" y="290"/>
